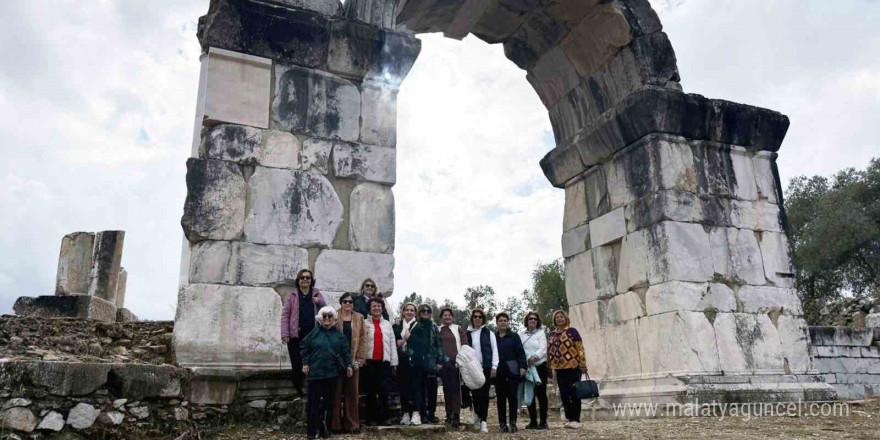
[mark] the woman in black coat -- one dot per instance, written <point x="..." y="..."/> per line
<point x="511" y="370"/>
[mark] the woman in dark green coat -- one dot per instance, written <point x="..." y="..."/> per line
<point x="326" y="355"/>
<point x="425" y="353"/>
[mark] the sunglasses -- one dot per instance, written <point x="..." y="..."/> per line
<point x="327" y="316"/>
<point x="347" y="301"/>
<point x="372" y="286"/>
<point x="305" y="278"/>
<point x="425" y="311"/>
<point x="533" y="319"/>
<point x="477" y="317"/>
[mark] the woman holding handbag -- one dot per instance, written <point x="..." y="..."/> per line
<point x="511" y="370"/>
<point x="565" y="354"/>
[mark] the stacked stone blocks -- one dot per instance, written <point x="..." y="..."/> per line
<point x="299" y="180"/>
<point x="849" y="359"/>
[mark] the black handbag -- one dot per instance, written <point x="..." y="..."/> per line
<point x="511" y="368"/>
<point x="586" y="389"/>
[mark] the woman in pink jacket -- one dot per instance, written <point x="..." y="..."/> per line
<point x="298" y="319"/>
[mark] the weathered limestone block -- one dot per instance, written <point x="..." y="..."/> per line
<point x="608" y="228"/>
<point x="361" y="51"/>
<point x="74" y="306"/>
<point x="106" y="260"/>
<point x="580" y="286"/>
<point x="758" y="215"/>
<point x="371" y="219"/>
<point x="736" y="255"/>
<point x="74" y="262"/>
<point x="291" y="208"/>
<point x="605" y="263"/>
<point x="228" y="326"/>
<point x="576" y="240"/>
<point x="18" y="418"/>
<point x="125" y="315"/>
<point x="575" y="206"/>
<point x="594" y="349"/>
<point x="794" y="340"/>
<point x="598" y="36"/>
<point x="586" y="316"/>
<point x="748" y="343"/>
<point x="777" y="259"/>
<point x="664" y="252"/>
<point x="553" y="76"/>
<point x="315" y="103"/>
<point x="329" y="8"/>
<point x="381" y="13"/>
<point x="496" y="24"/>
<point x="745" y="187"/>
<point x="677" y="342"/>
<point x="236" y="89"/>
<point x="675" y="296"/>
<point x="596" y="189"/>
<point x="539" y="33"/>
<point x="872" y="321"/>
<point x="281" y="150"/>
<point x="316" y="155"/>
<point x="765" y="180"/>
<point x="764" y="299"/>
<point x="232" y="142"/>
<point x="623" y="307"/>
<point x="343" y="271"/>
<point x="562" y="164"/>
<point x="137" y="382"/>
<point x="57" y="378"/>
<point x="620" y="341"/>
<point x="288" y="36"/>
<point x="121" y="285"/>
<point x="249" y="264"/>
<point x="215" y="200"/>
<point x="365" y="162"/>
<point x="680" y="206"/>
<point x="840" y="336"/>
<point x="378" y="115"/>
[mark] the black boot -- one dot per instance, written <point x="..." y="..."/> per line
<point x="532" y="424"/>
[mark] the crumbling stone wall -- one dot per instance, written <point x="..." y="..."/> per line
<point x="849" y="359"/>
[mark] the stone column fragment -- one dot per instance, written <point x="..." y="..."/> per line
<point x="120" y="287"/>
<point x="74" y="262"/>
<point x="106" y="259"/>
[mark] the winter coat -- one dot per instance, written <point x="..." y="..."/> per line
<point x="290" y="313"/>
<point x="389" y="344"/>
<point x="326" y="352"/>
<point x="423" y="346"/>
<point x="485" y="346"/>
<point x="358" y="336"/>
<point x="470" y="368"/>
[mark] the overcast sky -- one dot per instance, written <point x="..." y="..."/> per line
<point x="97" y="100"/>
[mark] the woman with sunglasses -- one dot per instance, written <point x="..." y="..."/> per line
<point x="423" y="347"/>
<point x="485" y="346"/>
<point x="368" y="290"/>
<point x="452" y="337"/>
<point x="325" y="356"/>
<point x="298" y="319"/>
<point x="535" y="345"/>
<point x="345" y="405"/>
<point x="381" y="359"/>
<point x="512" y="369"/>
<point x="402" y="331"/>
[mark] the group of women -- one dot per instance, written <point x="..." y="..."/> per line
<point x="331" y="349"/>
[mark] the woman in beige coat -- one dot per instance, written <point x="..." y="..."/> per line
<point x="345" y="406"/>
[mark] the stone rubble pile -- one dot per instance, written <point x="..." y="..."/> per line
<point x="858" y="313"/>
<point x="81" y="340"/>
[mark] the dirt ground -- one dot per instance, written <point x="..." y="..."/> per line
<point x="863" y="422"/>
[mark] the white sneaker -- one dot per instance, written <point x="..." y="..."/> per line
<point x="574" y="425"/>
<point x="416" y="419"/>
<point x="566" y="425"/>
<point x="475" y="421"/>
<point x="484" y="428"/>
<point x="405" y="420"/>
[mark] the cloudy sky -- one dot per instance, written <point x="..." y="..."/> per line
<point x="97" y="100"/>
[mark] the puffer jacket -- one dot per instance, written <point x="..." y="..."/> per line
<point x="326" y="352"/>
<point x="389" y="344"/>
<point x="423" y="345"/>
<point x="470" y="368"/>
<point x="290" y="313"/>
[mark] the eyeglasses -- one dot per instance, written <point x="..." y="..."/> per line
<point x="477" y="317"/>
<point x="347" y="301"/>
<point x="425" y="311"/>
<point x="305" y="278"/>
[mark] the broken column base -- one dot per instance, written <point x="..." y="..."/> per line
<point x="720" y="389"/>
<point x="222" y="386"/>
<point x="68" y="306"/>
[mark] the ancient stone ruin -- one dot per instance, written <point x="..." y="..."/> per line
<point x="90" y="282"/>
<point x="677" y="264"/>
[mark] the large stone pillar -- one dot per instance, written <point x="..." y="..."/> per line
<point x="74" y="262"/>
<point x="106" y="262"/>
<point x="292" y="166"/>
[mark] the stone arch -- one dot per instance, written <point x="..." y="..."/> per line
<point x="677" y="266"/>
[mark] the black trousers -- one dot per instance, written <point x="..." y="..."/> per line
<point x="429" y="408"/>
<point x="320" y="405"/>
<point x="506" y="387"/>
<point x="540" y="397"/>
<point x="405" y="386"/>
<point x="480" y="396"/>
<point x="296" y="363"/>
<point x="375" y="377"/>
<point x="419" y="375"/>
<point x="565" y="379"/>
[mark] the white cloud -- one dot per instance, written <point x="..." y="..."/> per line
<point x="97" y="103"/>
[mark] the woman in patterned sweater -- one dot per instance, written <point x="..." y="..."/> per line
<point x="565" y="354"/>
